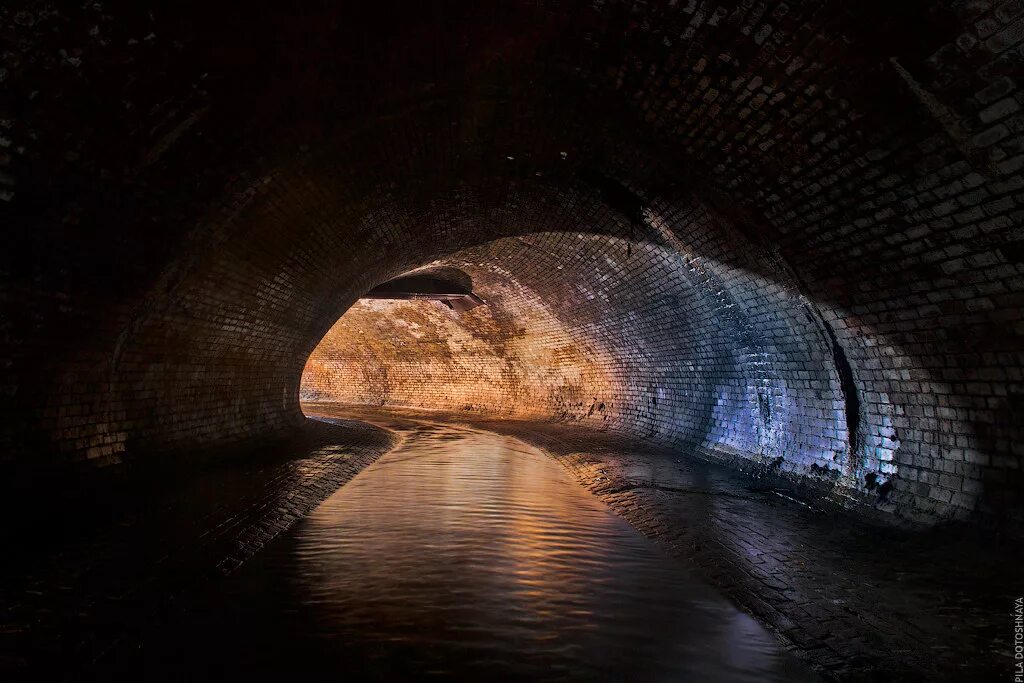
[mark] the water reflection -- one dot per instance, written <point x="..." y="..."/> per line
<point x="470" y="555"/>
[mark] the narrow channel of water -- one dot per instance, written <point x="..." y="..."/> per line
<point x="470" y="555"/>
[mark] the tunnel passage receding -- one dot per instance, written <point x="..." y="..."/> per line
<point x="645" y="339"/>
<point x="507" y="353"/>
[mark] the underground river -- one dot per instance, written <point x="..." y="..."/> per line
<point x="461" y="554"/>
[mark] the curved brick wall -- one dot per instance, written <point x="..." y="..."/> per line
<point x="824" y="201"/>
<point x="643" y="338"/>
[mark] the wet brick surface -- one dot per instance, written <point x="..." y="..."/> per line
<point x="857" y="600"/>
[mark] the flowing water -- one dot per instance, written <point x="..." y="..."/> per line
<point x="470" y="555"/>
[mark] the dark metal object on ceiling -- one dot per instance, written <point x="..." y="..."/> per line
<point x="453" y="295"/>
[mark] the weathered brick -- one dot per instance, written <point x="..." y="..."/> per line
<point x="999" y="110"/>
<point x="995" y="90"/>
<point x="1008" y="10"/>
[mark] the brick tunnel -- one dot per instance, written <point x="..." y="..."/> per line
<point x="752" y="272"/>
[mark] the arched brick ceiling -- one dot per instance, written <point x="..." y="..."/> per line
<point x="648" y="339"/>
<point x="198" y="193"/>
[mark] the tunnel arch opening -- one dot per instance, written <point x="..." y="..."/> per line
<point x="660" y="342"/>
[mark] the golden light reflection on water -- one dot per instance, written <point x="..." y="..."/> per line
<point x="467" y="554"/>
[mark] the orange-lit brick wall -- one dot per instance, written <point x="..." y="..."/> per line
<point x="510" y="357"/>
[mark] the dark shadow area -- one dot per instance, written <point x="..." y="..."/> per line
<point x="111" y="551"/>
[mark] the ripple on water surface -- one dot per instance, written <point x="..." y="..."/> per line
<point x="471" y="555"/>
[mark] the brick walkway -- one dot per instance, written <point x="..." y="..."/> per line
<point x="857" y="600"/>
